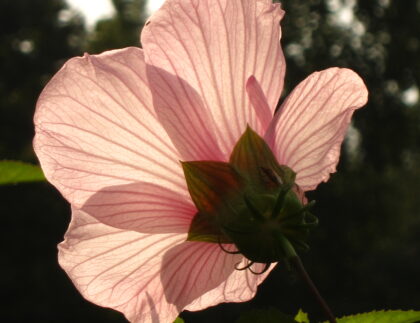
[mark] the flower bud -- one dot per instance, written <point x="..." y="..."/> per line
<point x="251" y="201"/>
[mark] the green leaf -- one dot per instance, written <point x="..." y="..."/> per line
<point x="13" y="172"/>
<point x="179" y="320"/>
<point x="382" y="317"/>
<point x="301" y="317"/>
<point x="270" y="315"/>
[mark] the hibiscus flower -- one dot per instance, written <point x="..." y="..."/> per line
<point x="111" y="130"/>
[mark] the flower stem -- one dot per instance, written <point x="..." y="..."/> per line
<point x="297" y="263"/>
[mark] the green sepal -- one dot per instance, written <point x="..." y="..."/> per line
<point x="253" y="158"/>
<point x="296" y="221"/>
<point x="203" y="229"/>
<point x="216" y="189"/>
<point x="213" y="186"/>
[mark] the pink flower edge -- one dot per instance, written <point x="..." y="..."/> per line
<point x="150" y="277"/>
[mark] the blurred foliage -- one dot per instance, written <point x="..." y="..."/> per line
<point x="36" y="38"/>
<point x="365" y="253"/>
<point x="120" y="31"/>
<point x="302" y="317"/>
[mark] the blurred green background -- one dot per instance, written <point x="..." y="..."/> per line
<point x="365" y="253"/>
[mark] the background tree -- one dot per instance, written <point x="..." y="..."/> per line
<point x="120" y="31"/>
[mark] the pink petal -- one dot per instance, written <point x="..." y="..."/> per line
<point x="142" y="207"/>
<point x="197" y="275"/>
<point x="259" y="102"/>
<point x="201" y="54"/>
<point x="307" y="132"/>
<point x="96" y="128"/>
<point x="149" y="277"/>
<point x="240" y="286"/>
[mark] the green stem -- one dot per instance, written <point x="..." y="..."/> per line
<point x="297" y="263"/>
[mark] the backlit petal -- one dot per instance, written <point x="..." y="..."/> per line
<point x="240" y="286"/>
<point x="193" y="269"/>
<point x="96" y="128"/>
<point x="117" y="268"/>
<point x="150" y="277"/>
<point x="201" y="54"/>
<point x="307" y="132"/>
<point x="142" y="207"/>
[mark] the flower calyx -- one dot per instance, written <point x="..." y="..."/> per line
<point x="251" y="201"/>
